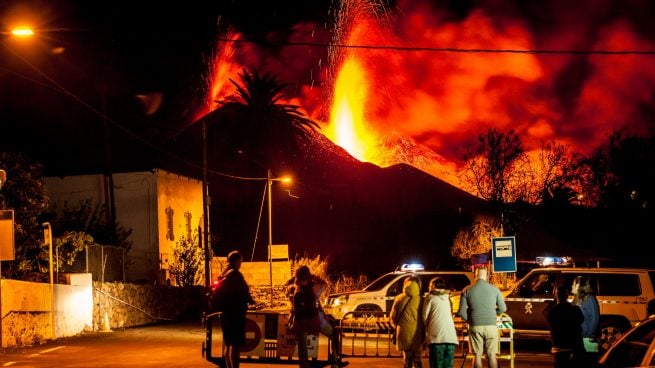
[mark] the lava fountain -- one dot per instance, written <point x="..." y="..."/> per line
<point x="347" y="118"/>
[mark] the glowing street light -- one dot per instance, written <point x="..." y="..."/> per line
<point x="22" y="32"/>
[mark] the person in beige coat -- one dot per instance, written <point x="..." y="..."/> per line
<point x="440" y="332"/>
<point x="406" y="319"/>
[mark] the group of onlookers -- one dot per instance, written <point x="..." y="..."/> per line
<point x="420" y="321"/>
<point x="232" y="297"/>
<point x="427" y="321"/>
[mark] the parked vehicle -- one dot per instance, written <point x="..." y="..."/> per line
<point x="636" y="348"/>
<point x="623" y="295"/>
<point x="378" y="296"/>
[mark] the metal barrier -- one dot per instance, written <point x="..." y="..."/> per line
<point x="367" y="334"/>
<point x="268" y="341"/>
<point x="506" y="337"/>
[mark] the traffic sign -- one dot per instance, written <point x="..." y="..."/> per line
<point x="503" y="251"/>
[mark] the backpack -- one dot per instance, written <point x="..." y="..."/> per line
<point x="304" y="303"/>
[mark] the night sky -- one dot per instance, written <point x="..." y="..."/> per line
<point x="147" y="67"/>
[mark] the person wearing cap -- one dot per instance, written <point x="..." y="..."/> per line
<point x="232" y="298"/>
<point x="479" y="306"/>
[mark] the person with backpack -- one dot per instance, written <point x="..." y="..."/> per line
<point x="306" y="313"/>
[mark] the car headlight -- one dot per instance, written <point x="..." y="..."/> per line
<point x="340" y="300"/>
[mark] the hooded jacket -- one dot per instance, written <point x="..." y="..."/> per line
<point x="438" y="318"/>
<point x="410" y="332"/>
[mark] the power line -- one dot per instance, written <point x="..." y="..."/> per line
<point x="444" y="49"/>
<point x="60" y="88"/>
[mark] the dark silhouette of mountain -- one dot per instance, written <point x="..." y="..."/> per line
<point x="364" y="218"/>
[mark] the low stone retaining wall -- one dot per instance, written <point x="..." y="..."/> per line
<point x="118" y="305"/>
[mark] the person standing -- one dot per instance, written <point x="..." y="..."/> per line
<point x="479" y="306"/>
<point x="408" y="325"/>
<point x="232" y="298"/>
<point x="306" y="313"/>
<point x="440" y="332"/>
<point x="565" y="321"/>
<point x="583" y="297"/>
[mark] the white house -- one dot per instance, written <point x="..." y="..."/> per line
<point x="158" y="206"/>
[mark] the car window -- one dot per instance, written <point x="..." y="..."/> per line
<point x="538" y="285"/>
<point x="380" y="282"/>
<point x="397" y="286"/>
<point x="458" y="282"/>
<point x="619" y="285"/>
<point x="568" y="277"/>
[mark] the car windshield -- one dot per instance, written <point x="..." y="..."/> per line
<point x="380" y="282"/>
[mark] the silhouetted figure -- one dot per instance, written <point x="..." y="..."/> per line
<point x="232" y="297"/>
<point x="565" y="321"/>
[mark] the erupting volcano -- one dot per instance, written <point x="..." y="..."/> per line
<point x="417" y="82"/>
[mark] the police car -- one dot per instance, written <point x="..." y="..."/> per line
<point x="623" y="295"/>
<point x="378" y="296"/>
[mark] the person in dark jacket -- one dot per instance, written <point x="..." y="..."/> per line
<point x="232" y="298"/>
<point x="565" y="321"/>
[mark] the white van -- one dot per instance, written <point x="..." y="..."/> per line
<point x="378" y="296"/>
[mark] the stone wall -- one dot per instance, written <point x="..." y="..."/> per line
<point x="86" y="305"/>
<point x="26" y="328"/>
<point x="118" y="305"/>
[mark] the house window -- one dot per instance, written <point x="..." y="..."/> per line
<point x="169" y="224"/>
<point x="187" y="218"/>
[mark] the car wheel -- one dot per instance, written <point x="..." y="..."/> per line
<point x="610" y="332"/>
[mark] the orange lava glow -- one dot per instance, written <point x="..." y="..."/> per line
<point x="347" y="118"/>
<point x="387" y="106"/>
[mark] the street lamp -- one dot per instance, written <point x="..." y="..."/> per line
<point x="269" y="184"/>
<point x="22" y="31"/>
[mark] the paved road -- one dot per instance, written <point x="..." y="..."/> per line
<point x="171" y="345"/>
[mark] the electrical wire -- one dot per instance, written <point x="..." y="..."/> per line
<point x="442" y="49"/>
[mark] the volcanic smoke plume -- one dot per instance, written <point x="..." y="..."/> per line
<point x="415" y="82"/>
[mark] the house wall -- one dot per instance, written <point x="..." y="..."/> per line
<point x="141" y="201"/>
<point x="177" y="196"/>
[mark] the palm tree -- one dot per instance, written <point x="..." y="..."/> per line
<point x="254" y="122"/>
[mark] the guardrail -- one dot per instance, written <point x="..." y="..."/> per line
<point x="367" y="334"/>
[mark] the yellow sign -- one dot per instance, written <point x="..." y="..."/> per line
<point x="279" y="251"/>
<point x="6" y="235"/>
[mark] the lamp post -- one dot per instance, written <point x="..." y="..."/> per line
<point x="19" y="32"/>
<point x="269" y="185"/>
<point x="3" y="179"/>
<point x="47" y="234"/>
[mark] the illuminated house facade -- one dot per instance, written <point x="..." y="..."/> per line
<point x="158" y="206"/>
